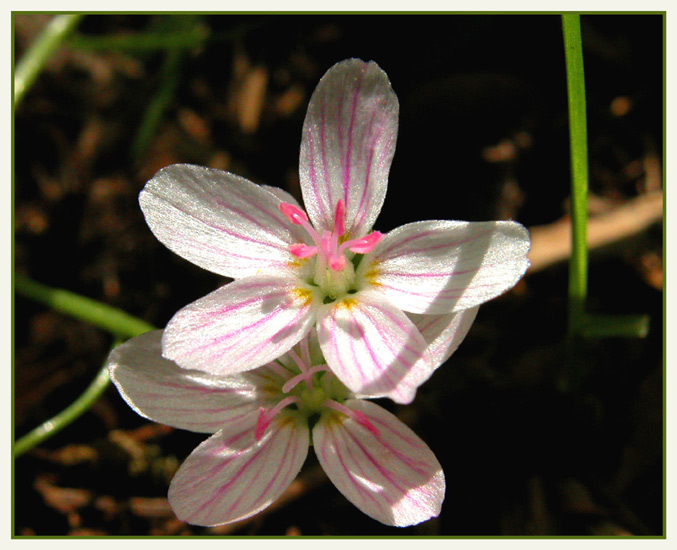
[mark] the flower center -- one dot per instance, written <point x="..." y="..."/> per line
<point x="313" y="390"/>
<point x="333" y="272"/>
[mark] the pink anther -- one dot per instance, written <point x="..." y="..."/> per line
<point x="266" y="415"/>
<point x="301" y="250"/>
<point x="294" y="213"/>
<point x="327" y="245"/>
<point x="363" y="245"/>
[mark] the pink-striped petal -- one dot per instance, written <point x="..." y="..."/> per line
<point x="373" y="347"/>
<point x="392" y="476"/>
<point x="438" y="267"/>
<point x="444" y="333"/>
<point x="348" y="144"/>
<point x="160" y="390"/>
<point x="219" y="221"/>
<point x="240" y="326"/>
<point x="232" y="476"/>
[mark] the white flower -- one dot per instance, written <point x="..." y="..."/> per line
<point x="326" y="269"/>
<point x="262" y="423"/>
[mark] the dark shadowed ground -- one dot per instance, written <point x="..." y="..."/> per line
<point x="531" y="442"/>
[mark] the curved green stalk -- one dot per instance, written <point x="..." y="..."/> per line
<point x="101" y="315"/>
<point x="67" y="416"/>
<point x="34" y="60"/>
<point x="106" y="317"/>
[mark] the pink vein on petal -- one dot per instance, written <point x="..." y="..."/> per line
<point x="246" y="329"/>
<point x="399" y="244"/>
<point x="372" y="354"/>
<point x="348" y="160"/>
<point x="328" y="199"/>
<point x="394" y="480"/>
<point x="247" y="216"/>
<point x="363" y="207"/>
<point x="227" y="231"/>
<point x="444" y="293"/>
<point x="407" y="362"/>
<point x="245" y="467"/>
<point x="208" y="316"/>
<point x="339" y="455"/>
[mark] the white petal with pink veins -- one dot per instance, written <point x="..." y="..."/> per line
<point x="219" y="221"/>
<point x="444" y="333"/>
<point x="233" y="475"/>
<point x="160" y="390"/>
<point x="348" y="144"/>
<point x="240" y="326"/>
<point x="373" y="347"/>
<point x="392" y="475"/>
<point x="438" y="267"/>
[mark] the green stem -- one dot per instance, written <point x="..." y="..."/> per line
<point x="578" y="264"/>
<point x="154" y="112"/>
<point x="106" y="317"/>
<point x="34" y="60"/>
<point x="101" y="315"/>
<point x="67" y="416"/>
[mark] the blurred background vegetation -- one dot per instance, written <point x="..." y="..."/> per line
<point x="531" y="443"/>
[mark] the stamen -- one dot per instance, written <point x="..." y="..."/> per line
<point x="294" y="213"/>
<point x="363" y="245"/>
<point x="266" y="416"/>
<point x="305" y="367"/>
<point x="330" y="254"/>
<point x="301" y="250"/>
<point x="298" y="217"/>
<point x="358" y="416"/>
<point x="307" y="376"/>
<point x="279" y="369"/>
<point x="302" y="365"/>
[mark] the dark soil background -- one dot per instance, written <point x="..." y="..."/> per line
<point x="531" y="442"/>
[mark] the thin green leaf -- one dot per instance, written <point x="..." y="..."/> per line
<point x="578" y="264"/>
<point x="35" y="59"/>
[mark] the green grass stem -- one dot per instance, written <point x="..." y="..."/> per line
<point x="580" y="322"/>
<point x="67" y="416"/>
<point x="578" y="264"/>
<point x="35" y="59"/>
